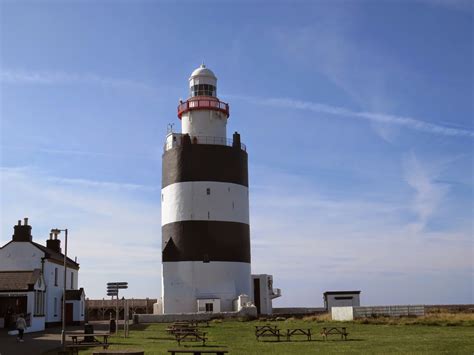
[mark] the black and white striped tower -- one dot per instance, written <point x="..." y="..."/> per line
<point x="205" y="205"/>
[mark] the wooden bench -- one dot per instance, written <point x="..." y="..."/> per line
<point x="299" y="331"/>
<point x="190" y="335"/>
<point x="267" y="331"/>
<point x="197" y="351"/>
<point x="335" y="331"/>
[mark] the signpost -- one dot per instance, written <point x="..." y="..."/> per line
<point x="113" y="290"/>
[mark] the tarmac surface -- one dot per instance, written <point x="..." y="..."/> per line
<point x="39" y="342"/>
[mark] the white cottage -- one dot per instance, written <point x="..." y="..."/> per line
<point x="31" y="282"/>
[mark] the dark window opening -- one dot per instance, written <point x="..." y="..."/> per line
<point x="203" y="90"/>
<point x="208" y="191"/>
<point x="343" y="297"/>
<point x="205" y="259"/>
<point x="209" y="307"/>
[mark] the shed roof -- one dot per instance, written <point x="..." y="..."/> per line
<point x="19" y="280"/>
<point x="341" y="293"/>
<point x="74" y="295"/>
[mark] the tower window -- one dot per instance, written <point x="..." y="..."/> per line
<point x="208" y="191"/>
<point x="203" y="90"/>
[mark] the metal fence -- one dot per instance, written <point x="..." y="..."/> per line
<point x="389" y="311"/>
<point x="177" y="140"/>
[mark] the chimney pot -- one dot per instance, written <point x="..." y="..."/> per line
<point x="26" y="221"/>
<point x="19" y="222"/>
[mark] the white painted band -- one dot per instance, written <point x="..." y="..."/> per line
<point x="204" y="200"/>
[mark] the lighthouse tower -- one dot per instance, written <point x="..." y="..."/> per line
<point x="205" y="206"/>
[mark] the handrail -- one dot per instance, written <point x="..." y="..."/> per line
<point x="200" y="104"/>
<point x="200" y="140"/>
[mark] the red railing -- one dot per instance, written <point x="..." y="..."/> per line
<point x="203" y="104"/>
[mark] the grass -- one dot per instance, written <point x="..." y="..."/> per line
<point x="452" y="334"/>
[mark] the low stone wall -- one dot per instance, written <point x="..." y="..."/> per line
<point x="296" y="311"/>
<point x="247" y="313"/>
<point x="389" y="311"/>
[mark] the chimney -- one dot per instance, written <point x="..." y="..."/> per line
<point x="53" y="243"/>
<point x="22" y="233"/>
<point x="236" y="140"/>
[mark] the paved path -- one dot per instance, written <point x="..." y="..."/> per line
<point x="34" y="344"/>
<point x="37" y="343"/>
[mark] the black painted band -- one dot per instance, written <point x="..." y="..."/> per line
<point x="205" y="162"/>
<point x="206" y="241"/>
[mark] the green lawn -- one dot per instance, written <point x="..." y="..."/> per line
<point x="238" y="338"/>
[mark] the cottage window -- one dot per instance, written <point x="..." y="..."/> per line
<point x="55" y="276"/>
<point x="72" y="280"/>
<point x="39" y="303"/>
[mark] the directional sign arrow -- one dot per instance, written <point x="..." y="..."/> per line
<point x="117" y="283"/>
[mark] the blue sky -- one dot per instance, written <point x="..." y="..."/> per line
<point x="358" y="118"/>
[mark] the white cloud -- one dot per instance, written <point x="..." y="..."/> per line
<point x="383" y="118"/>
<point x="312" y="243"/>
<point x="429" y="194"/>
<point x="64" y="78"/>
<point x="337" y="48"/>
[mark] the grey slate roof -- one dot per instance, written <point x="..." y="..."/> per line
<point x="18" y="280"/>
<point x="74" y="295"/>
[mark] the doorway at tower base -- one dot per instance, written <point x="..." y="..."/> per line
<point x="263" y="293"/>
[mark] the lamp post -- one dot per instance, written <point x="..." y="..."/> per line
<point x="63" y="316"/>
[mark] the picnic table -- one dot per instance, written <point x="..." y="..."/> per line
<point x="180" y="326"/>
<point x="88" y="340"/>
<point x="197" y="351"/>
<point x="267" y="331"/>
<point x="298" y="331"/>
<point x="335" y="331"/>
<point x="190" y="335"/>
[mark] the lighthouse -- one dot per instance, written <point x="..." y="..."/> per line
<point x="204" y="206"/>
